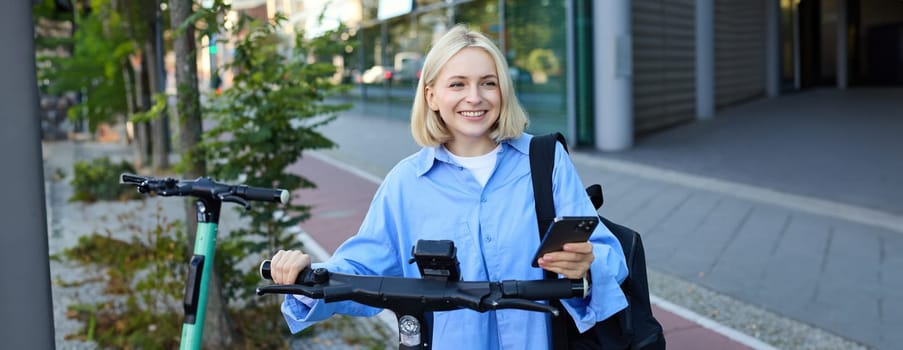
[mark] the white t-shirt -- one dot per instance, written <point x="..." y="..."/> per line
<point x="480" y="166"/>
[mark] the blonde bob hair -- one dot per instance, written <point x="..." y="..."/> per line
<point x="427" y="126"/>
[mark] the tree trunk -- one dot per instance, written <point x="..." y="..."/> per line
<point x="129" y="102"/>
<point x="142" y="143"/>
<point x="188" y="107"/>
<point x="218" y="330"/>
<point x="153" y="55"/>
<point x="136" y="94"/>
<point x="159" y="153"/>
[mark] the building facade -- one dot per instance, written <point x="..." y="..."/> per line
<point x="605" y="71"/>
<point x="393" y="41"/>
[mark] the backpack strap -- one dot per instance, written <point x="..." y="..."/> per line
<point x="542" y="162"/>
<point x="635" y="287"/>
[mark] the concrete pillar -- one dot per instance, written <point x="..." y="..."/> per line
<point x="705" y="59"/>
<point x="772" y="48"/>
<point x="26" y="321"/>
<point x="842" y="77"/>
<point x="613" y="89"/>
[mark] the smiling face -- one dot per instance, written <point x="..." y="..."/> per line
<point x="467" y="97"/>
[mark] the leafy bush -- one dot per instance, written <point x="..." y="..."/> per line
<point x="263" y="124"/>
<point x="99" y="180"/>
<point x="144" y="282"/>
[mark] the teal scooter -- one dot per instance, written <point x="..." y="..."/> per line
<point x="210" y="196"/>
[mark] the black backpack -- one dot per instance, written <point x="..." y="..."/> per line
<point x="632" y="328"/>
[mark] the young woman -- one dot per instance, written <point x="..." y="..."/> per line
<point x="471" y="184"/>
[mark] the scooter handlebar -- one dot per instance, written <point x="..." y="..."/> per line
<point x="433" y="294"/>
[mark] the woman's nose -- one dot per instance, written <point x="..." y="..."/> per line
<point x="473" y="95"/>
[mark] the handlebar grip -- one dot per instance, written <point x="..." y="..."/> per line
<point x="126" y="178"/>
<point x="265" y="270"/>
<point x="263" y="194"/>
<point x="307" y="276"/>
<point x="543" y="289"/>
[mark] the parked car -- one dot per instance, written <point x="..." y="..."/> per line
<point x="407" y="67"/>
<point x="377" y="75"/>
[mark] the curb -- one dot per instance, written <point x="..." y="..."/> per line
<point x="710" y="324"/>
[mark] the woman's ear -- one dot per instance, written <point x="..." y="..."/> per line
<point x="430" y="98"/>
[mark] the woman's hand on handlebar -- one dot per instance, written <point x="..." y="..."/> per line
<point x="287" y="264"/>
<point x="572" y="262"/>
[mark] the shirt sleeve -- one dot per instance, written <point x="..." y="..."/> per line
<point x="370" y="252"/>
<point x="301" y="312"/>
<point x="307" y="301"/>
<point x="608" y="268"/>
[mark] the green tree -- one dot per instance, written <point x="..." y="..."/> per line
<point x="110" y="59"/>
<point x="185" y="23"/>
<point x="264" y="122"/>
<point x="91" y="62"/>
<point x="262" y="125"/>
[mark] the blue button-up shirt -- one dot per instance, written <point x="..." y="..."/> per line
<point x="429" y="196"/>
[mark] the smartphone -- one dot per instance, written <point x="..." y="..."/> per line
<point x="567" y="229"/>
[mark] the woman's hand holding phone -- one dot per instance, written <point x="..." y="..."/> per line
<point x="565" y="248"/>
<point x="572" y="262"/>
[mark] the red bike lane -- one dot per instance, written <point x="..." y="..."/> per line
<point x="340" y="202"/>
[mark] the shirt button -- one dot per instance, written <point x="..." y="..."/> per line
<point x="488" y="239"/>
<point x="483" y="199"/>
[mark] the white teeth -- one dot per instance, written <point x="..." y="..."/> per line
<point x="472" y="114"/>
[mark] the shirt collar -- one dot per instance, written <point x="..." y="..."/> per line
<point x="428" y="156"/>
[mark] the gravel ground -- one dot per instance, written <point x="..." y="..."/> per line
<point x="69" y="221"/>
<point x="777" y="331"/>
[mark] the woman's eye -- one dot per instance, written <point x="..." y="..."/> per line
<point x="456" y="84"/>
<point x="490" y="83"/>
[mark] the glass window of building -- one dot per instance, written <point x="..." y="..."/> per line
<point x="370" y="48"/>
<point x="535" y="43"/>
<point x="531" y="34"/>
<point x="425" y="3"/>
<point x="430" y="27"/>
<point x="400" y="59"/>
<point x="369" y="9"/>
<point x="482" y="16"/>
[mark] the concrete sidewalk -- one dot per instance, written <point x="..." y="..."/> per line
<point x="342" y="197"/>
<point x="790" y="269"/>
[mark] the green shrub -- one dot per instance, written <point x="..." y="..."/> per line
<point x="99" y="180"/>
<point x="144" y="280"/>
<point x="263" y="124"/>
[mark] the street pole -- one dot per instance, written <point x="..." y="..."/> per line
<point x="26" y="321"/>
